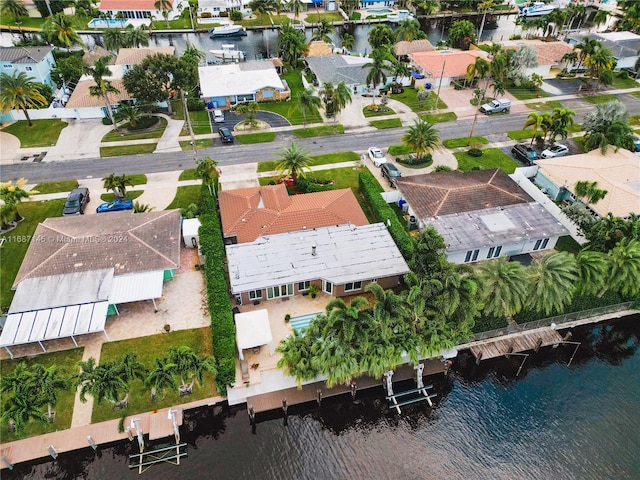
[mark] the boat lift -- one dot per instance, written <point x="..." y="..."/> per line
<point x="418" y="394"/>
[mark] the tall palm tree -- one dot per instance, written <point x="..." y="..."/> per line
<point x="19" y="92"/>
<point x="408" y="30"/>
<point x="624" y="268"/>
<point x="207" y="170"/>
<point x="14" y="8"/>
<point x="380" y="36"/>
<point x="504" y="286"/>
<point x="161" y="377"/>
<point x="296" y="6"/>
<point x="105" y="381"/>
<point x="377" y="70"/>
<point x="421" y="137"/>
<point x="190" y="366"/>
<point x="114" y="39"/>
<point x="137" y="37"/>
<point x="164" y="7"/>
<point x="322" y="30"/>
<point x="587" y="47"/>
<point x="538" y="121"/>
<point x="400" y="70"/>
<point x="103" y="87"/>
<point x="117" y="184"/>
<point x="307" y="100"/>
<point x="599" y="61"/>
<point x="347" y="321"/>
<point x="23" y="406"/>
<point x="592" y="271"/>
<point x="297" y="357"/>
<point x="600" y="17"/>
<point x="341" y="96"/>
<point x="479" y="69"/>
<point x="294" y="160"/>
<point x="561" y="119"/>
<point x="59" y="30"/>
<point x="291" y="43"/>
<point x="348" y="41"/>
<point x="51" y="380"/>
<point x="553" y="279"/>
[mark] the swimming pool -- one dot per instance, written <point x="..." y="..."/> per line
<point x="380" y="11"/>
<point x="107" y="23"/>
<point x="302" y="321"/>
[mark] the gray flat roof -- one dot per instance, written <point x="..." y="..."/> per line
<point x="344" y="253"/>
<point x="496" y="226"/>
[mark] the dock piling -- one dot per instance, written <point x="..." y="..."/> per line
<point x="6" y="462"/>
<point x="92" y="444"/>
<point x="52" y="451"/>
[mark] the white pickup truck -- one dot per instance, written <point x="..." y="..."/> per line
<point x="496" y="106"/>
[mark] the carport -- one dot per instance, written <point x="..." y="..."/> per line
<point x="253" y="330"/>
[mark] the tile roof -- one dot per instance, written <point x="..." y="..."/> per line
<point x="248" y="213"/>
<point x="318" y="48"/>
<point x="548" y="53"/>
<point x="455" y="62"/>
<point x="81" y="95"/>
<point x="128" y="242"/>
<point x="618" y="172"/>
<point x="405" y="47"/>
<point x="24" y="54"/>
<point x="91" y="56"/>
<point x="135" y="56"/>
<point x="454" y="192"/>
<point x="129" y="5"/>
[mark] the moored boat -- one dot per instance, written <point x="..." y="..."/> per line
<point x="228" y="31"/>
<point x="537" y="9"/>
<point x="228" y="52"/>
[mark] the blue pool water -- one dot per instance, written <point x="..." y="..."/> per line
<point x="302" y="321"/>
<point x="106" y="23"/>
<point x="380" y="11"/>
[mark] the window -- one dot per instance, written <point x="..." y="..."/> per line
<point x="541" y="244"/>
<point x="255" y="294"/>
<point x="303" y="286"/>
<point x="29" y="69"/>
<point x="349" y="287"/>
<point x="471" y="256"/>
<point x="327" y="286"/>
<point x="475" y="255"/>
<point x="545" y="242"/>
<point x="498" y="250"/>
<point x="374" y="280"/>
<point x="491" y="250"/>
<point x="280" y="291"/>
<point x="537" y="245"/>
<point x="7" y="66"/>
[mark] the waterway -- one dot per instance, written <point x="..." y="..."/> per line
<point x="552" y="422"/>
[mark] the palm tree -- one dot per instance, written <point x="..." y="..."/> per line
<point x="296" y="6"/>
<point x="504" y="286"/>
<point x="586" y="48"/>
<point x="400" y="70"/>
<point x="409" y="30"/>
<point x="141" y="207"/>
<point x="13" y="193"/>
<point x="341" y="96"/>
<point x="479" y="69"/>
<point x="346" y="321"/>
<point x="103" y="87"/>
<point x="23" y="406"/>
<point x="561" y="119"/>
<point x="59" y="30"/>
<point x="388" y="307"/>
<point x="137" y="37"/>
<point x="599" y="61"/>
<point x="307" y="101"/>
<point x="348" y="41"/>
<point x="294" y="160"/>
<point x="380" y="36"/>
<point x="117" y="184"/>
<point x="207" y="170"/>
<point x="249" y="109"/>
<point x="322" y="30"/>
<point x="377" y="70"/>
<point x="553" y="281"/>
<point x="161" y="377"/>
<point x="600" y="17"/>
<point x="164" y="6"/>
<point x="291" y="43"/>
<point x="538" y="121"/>
<point x="129" y="113"/>
<point x="19" y="92"/>
<point x="297" y="357"/>
<point x="189" y="365"/>
<point x="104" y="381"/>
<point x="327" y="93"/>
<point x="624" y="268"/>
<point x="50" y="380"/>
<point x="114" y="39"/>
<point x="589" y="191"/>
<point x="421" y="137"/>
<point x="14" y="8"/>
<point x="592" y="271"/>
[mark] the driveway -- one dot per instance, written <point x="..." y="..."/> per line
<point x="556" y="86"/>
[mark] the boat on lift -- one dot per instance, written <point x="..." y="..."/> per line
<point x="537" y="9"/>
<point x="228" y="31"/>
<point x="229" y="52"/>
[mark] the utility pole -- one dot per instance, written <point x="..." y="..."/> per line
<point x="183" y="96"/>
<point x="484" y="17"/>
<point x="439" y="85"/>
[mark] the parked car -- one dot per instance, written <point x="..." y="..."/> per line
<point x="555" y="151"/>
<point x="218" y="116"/>
<point x="636" y="144"/>
<point x="496" y="106"/>
<point x="225" y="135"/>
<point x="115" y="206"/>
<point x="390" y="172"/>
<point x="76" y="201"/>
<point x="377" y="156"/>
<point x="524" y="153"/>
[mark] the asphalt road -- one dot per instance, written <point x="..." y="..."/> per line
<point x="493" y="127"/>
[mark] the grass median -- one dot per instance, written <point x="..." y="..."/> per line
<point x="316" y="160"/>
<point x="491" y="158"/>
<point x="43" y="133"/>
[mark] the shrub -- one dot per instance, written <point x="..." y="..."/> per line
<point x="195" y="104"/>
<point x="205" y="15"/>
<point x="224" y="14"/>
<point x="475" y="152"/>
<point x="106" y="121"/>
<point x="623" y="74"/>
<point x="235" y="15"/>
<point x="442" y="168"/>
<point x="370" y="189"/>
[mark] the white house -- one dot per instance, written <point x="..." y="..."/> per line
<point x="142" y="8"/>
<point x="623" y="45"/>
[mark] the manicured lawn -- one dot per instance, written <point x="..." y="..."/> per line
<point x="185" y="196"/>
<point x="568" y="244"/>
<point x="439" y="117"/>
<point x="526" y="94"/>
<point x="199" y="123"/>
<point x="289" y="109"/>
<point x="399" y="150"/>
<point x="177" y="24"/>
<point x="262" y="20"/>
<point x="389" y="123"/>
<point x="56" y="187"/>
<point x="410" y="99"/>
<point x="634" y="120"/>
<point x="325" y="159"/>
<point x="636" y="94"/>
<point x="148" y="349"/>
<point x="127" y="150"/>
<point x="250" y="138"/>
<point x="26" y="21"/>
<point x="464" y="142"/>
<point x="43" y="133"/>
<point x="190" y="174"/>
<point x="138" y="178"/>
<point x="379" y="113"/>
<point x="491" y="158"/>
<point x="322" y="131"/>
<point x="599" y="99"/>
<point x="124" y="134"/>
<point x="624" y="82"/>
<point x="132" y="195"/>
<point x="200" y="144"/>
<point x="546" y="106"/>
<point x="328" y="16"/>
<point x="520" y="134"/>
<point x="17" y="242"/>
<point x="66" y="360"/>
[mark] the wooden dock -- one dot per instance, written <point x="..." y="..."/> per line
<point x="272" y="401"/>
<point x="161" y="425"/>
<point x="519" y="342"/>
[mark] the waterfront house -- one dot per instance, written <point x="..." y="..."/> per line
<point x="225" y="86"/>
<point x="340" y="260"/>
<point x="482" y="214"/>
<point x="142" y="9"/>
<point x="548" y="54"/>
<point x="617" y="172"/>
<point x="623" y="45"/>
<point x="35" y="62"/>
<point x="129" y="57"/>
<point x="405" y="47"/>
<point x="442" y="67"/>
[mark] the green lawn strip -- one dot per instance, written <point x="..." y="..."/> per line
<point x="323" y="159"/>
<point x="263" y="20"/>
<point x="491" y="158"/>
<point x="635" y="94"/>
<point x="66" y="360"/>
<point x="520" y="134"/>
<point x="131" y="195"/>
<point x="261" y="137"/>
<point x="199" y="122"/>
<point x="185" y="196"/>
<point x="624" y="82"/>
<point x="355" y="16"/>
<point x="138" y="178"/>
<point x="317" y="17"/>
<point x="177" y="24"/>
<point x="43" y="133"/>
<point x="550" y="105"/>
<point x="178" y="110"/>
<point x="56" y="187"/>
<point x="410" y="99"/>
<point x="148" y="349"/>
<point x="526" y="94"/>
<point x="322" y="131"/>
<point x="189" y="174"/>
<point x="379" y="113"/>
<point x="634" y="120"/>
<point x="439" y="117"/>
<point x="25" y="22"/>
<point x="399" y="150"/>
<point x="200" y="144"/>
<point x="127" y="150"/>
<point x="600" y="99"/>
<point x="568" y="244"/>
<point x="389" y="123"/>
<point x="125" y="134"/>
<point x="17" y="242"/>
<point x="463" y="142"/>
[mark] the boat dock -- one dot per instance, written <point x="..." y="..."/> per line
<point x="515" y="343"/>
<point x="317" y="391"/>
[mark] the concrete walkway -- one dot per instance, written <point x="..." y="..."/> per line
<point x="170" y="140"/>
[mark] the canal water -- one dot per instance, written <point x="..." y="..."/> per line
<point x="553" y="421"/>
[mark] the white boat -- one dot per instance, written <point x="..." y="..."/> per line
<point x="537" y="9"/>
<point x="400" y="16"/>
<point x="228" y="31"/>
<point x="228" y="52"/>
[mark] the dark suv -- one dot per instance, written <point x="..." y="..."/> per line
<point x="524" y="153"/>
<point x="390" y="172"/>
<point x="225" y="135"/>
<point x="76" y="201"/>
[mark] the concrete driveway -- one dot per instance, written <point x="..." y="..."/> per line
<point x="556" y="86"/>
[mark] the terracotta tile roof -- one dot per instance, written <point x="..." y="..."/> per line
<point x="81" y="96"/>
<point x="128" y="242"/>
<point x="548" y="53"/>
<point x="135" y="56"/>
<point x="455" y="62"/>
<point x="98" y="52"/>
<point x="129" y="4"/>
<point x="448" y="193"/>
<point x="405" y="48"/>
<point x="248" y="213"/>
<point x="318" y="48"/>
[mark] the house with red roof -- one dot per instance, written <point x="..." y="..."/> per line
<point x="142" y="9"/>
<point x="442" y="67"/>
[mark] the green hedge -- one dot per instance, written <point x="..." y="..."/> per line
<point x="578" y="304"/>
<point x="220" y="309"/>
<point x="370" y="188"/>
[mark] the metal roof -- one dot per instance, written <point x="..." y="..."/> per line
<point x="238" y="79"/>
<point x="136" y="287"/>
<point x="496" y="226"/>
<point x="344" y="253"/>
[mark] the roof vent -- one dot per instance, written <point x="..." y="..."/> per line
<point x="313" y="249"/>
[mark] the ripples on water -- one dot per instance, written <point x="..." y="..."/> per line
<point x="552" y="422"/>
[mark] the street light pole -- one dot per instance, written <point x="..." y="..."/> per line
<point x="183" y="96"/>
<point x="435" y="107"/>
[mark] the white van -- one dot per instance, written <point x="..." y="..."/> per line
<point x="218" y="116"/>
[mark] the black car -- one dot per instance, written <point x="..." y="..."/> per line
<point x="76" y="201"/>
<point x="524" y="153"/>
<point x="390" y="172"/>
<point x="225" y="135"/>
